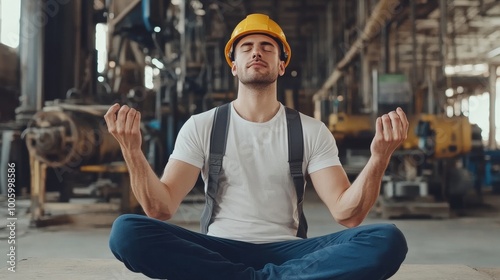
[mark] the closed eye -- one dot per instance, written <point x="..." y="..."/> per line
<point x="268" y="47"/>
<point x="245" y="47"/>
<point x="264" y="46"/>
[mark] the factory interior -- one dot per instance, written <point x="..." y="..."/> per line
<point x="63" y="63"/>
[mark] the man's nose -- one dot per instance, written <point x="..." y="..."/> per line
<point x="256" y="53"/>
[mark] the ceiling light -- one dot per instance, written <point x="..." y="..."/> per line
<point x="493" y="53"/>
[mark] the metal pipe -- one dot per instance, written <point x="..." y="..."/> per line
<point x="77" y="22"/>
<point x="375" y="92"/>
<point x="413" y="44"/>
<point x="31" y="49"/>
<point x="452" y="37"/>
<point x="430" y="94"/>
<point x="118" y="18"/>
<point x="396" y="49"/>
<point x="366" y="97"/>
<point x="383" y="12"/>
<point x="386" y="59"/>
<point x="443" y="21"/>
<point x="174" y="96"/>
<point x="423" y="66"/>
<point x="183" y="49"/>
<point x="330" y="24"/>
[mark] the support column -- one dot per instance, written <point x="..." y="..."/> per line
<point x="443" y="27"/>
<point x="38" y="180"/>
<point x="492" y="144"/>
<point x="31" y="49"/>
<point x="414" y="79"/>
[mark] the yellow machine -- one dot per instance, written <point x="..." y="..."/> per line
<point x="344" y="126"/>
<point x="444" y="137"/>
<point x="428" y="166"/>
<point x="438" y="136"/>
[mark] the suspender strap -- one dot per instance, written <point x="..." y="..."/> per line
<point x="295" y="159"/>
<point x="218" y="139"/>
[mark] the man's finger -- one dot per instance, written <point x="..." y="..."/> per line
<point x="137" y="122"/>
<point x="110" y="116"/>
<point x="396" y="124"/>
<point x="122" y="118"/>
<point x="129" y="124"/>
<point x="387" y="127"/>
<point x="403" y="118"/>
<point x="379" y="129"/>
<point x="112" y="112"/>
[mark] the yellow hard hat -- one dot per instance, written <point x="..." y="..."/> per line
<point x="258" y="24"/>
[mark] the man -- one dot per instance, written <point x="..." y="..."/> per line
<point x="253" y="230"/>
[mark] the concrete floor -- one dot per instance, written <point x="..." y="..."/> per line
<point x="457" y="244"/>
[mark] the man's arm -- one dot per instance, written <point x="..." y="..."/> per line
<point x="160" y="199"/>
<point x="349" y="204"/>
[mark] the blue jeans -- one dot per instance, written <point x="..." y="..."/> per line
<point x="165" y="251"/>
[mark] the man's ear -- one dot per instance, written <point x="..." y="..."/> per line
<point x="281" y="68"/>
<point x="233" y="68"/>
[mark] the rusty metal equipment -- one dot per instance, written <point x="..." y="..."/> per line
<point x="70" y="136"/>
<point x="66" y="137"/>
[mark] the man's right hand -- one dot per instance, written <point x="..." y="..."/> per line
<point x="124" y="123"/>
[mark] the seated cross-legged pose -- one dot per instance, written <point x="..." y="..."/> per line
<point x="252" y="154"/>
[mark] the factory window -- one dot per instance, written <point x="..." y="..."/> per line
<point x="479" y="112"/>
<point x="101" y="38"/>
<point x="10" y="14"/>
<point x="479" y="108"/>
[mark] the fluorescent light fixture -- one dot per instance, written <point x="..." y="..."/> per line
<point x="493" y="53"/>
<point x="466" y="69"/>
<point x="157" y="63"/>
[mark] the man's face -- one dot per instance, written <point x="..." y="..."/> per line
<point x="257" y="60"/>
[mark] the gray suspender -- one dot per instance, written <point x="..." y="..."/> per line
<point x="218" y="140"/>
<point x="295" y="158"/>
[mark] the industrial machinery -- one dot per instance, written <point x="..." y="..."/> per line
<point x="444" y="137"/>
<point x="428" y="174"/>
<point x="67" y="136"/>
<point x="165" y="58"/>
<point x="64" y="139"/>
<point x="432" y="165"/>
<point x="154" y="60"/>
<point x="428" y="169"/>
<point x="449" y="145"/>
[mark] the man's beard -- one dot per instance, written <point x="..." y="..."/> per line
<point x="258" y="80"/>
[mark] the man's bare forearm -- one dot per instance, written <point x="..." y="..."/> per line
<point x="358" y="199"/>
<point x="150" y="192"/>
<point x="391" y="130"/>
<point x="124" y="123"/>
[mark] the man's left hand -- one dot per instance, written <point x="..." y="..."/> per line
<point x="391" y="130"/>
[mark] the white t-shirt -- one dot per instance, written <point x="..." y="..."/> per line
<point x="257" y="201"/>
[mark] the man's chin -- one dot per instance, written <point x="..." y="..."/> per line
<point x="259" y="82"/>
